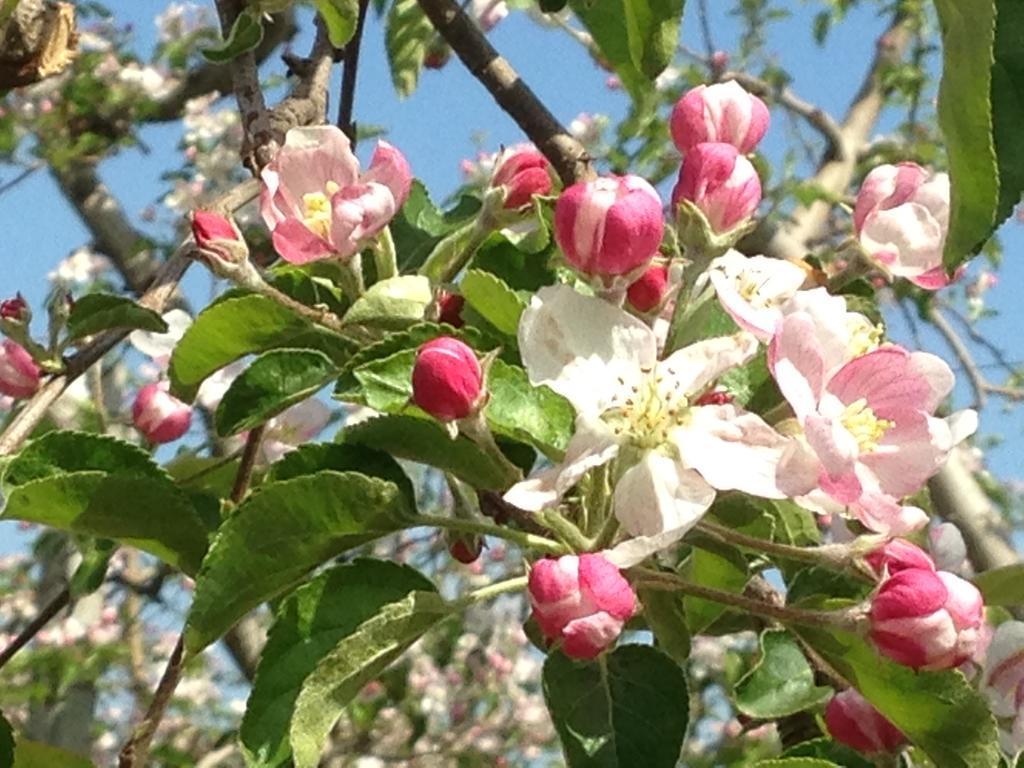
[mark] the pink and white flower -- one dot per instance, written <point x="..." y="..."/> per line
<point x="316" y="203"/>
<point x="672" y="451"/>
<point x="901" y="219"/>
<point x="753" y="289"/>
<point x="158" y="415"/>
<point x="723" y="112"/>
<point x="721" y="183"/>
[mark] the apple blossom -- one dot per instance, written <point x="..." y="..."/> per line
<point x="293" y="428"/>
<point x="901" y="218"/>
<point x="853" y="721"/>
<point x="898" y="555"/>
<point x="672" y="452"/>
<point x="447" y="381"/>
<point x="219" y="241"/>
<point x="610" y="226"/>
<point x="721" y="183"/>
<point x="315" y="202"/>
<point x="926" y="619"/>
<point x="582" y="601"/>
<point x="722" y="112"/>
<point x="648" y="292"/>
<point x="1002" y="683"/>
<point x="522" y="174"/>
<point x="159" y="416"/>
<point x="159" y="346"/>
<point x="19" y="373"/>
<point x="753" y="289"/>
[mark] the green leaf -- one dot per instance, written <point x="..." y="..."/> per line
<point x="704" y="320"/>
<point x="626" y="709"/>
<point x="406" y="36"/>
<point x="498" y="304"/>
<point x="1002" y="586"/>
<point x="665" y="616"/>
<point x="712" y="566"/>
<point x="395" y="622"/>
<point x="829" y="751"/>
<point x="518" y="269"/>
<point x="940" y="712"/>
<point x="275" y="381"/>
<point x="797" y="762"/>
<point x="6" y="742"/>
<point x="278" y="535"/>
<point x="310" y="622"/>
<point x="315" y="457"/>
<point x="535" y="415"/>
<point x="97" y="312"/>
<point x="781" y="683"/>
<point x="233" y="328"/>
<point x="34" y="754"/>
<point x="58" y="452"/>
<point x="421" y="225"/>
<point x="246" y="33"/>
<point x="981" y="109"/>
<point x="142" y="512"/>
<point x="340" y="19"/>
<point x="92" y="570"/>
<point x="393" y="304"/>
<point x="408" y="437"/>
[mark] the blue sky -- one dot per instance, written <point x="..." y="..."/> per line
<point x="436" y="126"/>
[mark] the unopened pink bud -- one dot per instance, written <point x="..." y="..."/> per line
<point x="15" y="309"/>
<point x="648" y="292"/>
<point x="582" y="601"/>
<point x="449" y="308"/>
<point x="610" y="226"/>
<point x="926" y="619"/>
<point x="721" y="183"/>
<point x="447" y="381"/>
<point x="723" y="112"/>
<point x="523" y="175"/>
<point x="898" y="555"/>
<point x="159" y="416"/>
<point x="466" y="548"/>
<point x="853" y="721"/>
<point x="218" y="240"/>
<point x="19" y="374"/>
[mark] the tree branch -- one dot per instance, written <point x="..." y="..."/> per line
<point x="348" y="79"/>
<point x="567" y="155"/>
<point x="51" y="609"/>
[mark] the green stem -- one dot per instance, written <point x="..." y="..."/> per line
<point x="523" y="539"/>
<point x="604" y="537"/>
<point x="849" y="620"/>
<point x="384" y="258"/>
<point x="351" y="277"/>
<point x="574" y="539"/>
<point x="493" y="590"/>
<point x="476" y="429"/>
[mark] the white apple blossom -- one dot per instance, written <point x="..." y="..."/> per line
<point x="82" y="266"/>
<point x="159" y="346"/>
<point x="292" y="428"/>
<point x="671" y="451"/>
<point x="753" y="289"/>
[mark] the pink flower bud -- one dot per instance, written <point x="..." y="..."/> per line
<point x="926" y="619"/>
<point x="853" y="721"/>
<point x="447" y="381"/>
<point x="583" y="601"/>
<point x="466" y="548"/>
<point x="218" y="239"/>
<point x="523" y="175"/>
<point x="901" y="218"/>
<point x="449" y="308"/>
<point x="721" y="183"/>
<point x="15" y="309"/>
<point x="610" y="226"/>
<point x="160" y="417"/>
<point x="649" y="290"/>
<point x="723" y="112"/>
<point x="898" y="555"/>
<point x="19" y="374"/>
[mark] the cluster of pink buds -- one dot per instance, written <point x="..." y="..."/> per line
<point x="921" y="617"/>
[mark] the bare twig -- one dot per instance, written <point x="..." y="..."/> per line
<point x="348" y="79"/>
<point x="963" y="354"/>
<point x="247" y="464"/>
<point x="7" y="186"/>
<point x="51" y="609"/>
<point x="513" y="95"/>
<point x="136" y="749"/>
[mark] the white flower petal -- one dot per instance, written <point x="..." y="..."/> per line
<point x="693" y="368"/>
<point x="659" y="495"/>
<point x="160" y="345"/>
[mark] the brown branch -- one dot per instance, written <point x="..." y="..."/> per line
<point x="346" y="103"/>
<point x="512" y="94"/>
<point x="963" y="354"/>
<point x="157" y="297"/>
<point x="307" y="104"/>
<point x="248" y="463"/>
<point x="136" y="749"/>
<point x="51" y="609"/>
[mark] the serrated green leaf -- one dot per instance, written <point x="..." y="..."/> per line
<point x="518" y="269"/>
<point x="537" y="416"/>
<point x="278" y="535"/>
<point x="408" y="437"/>
<point x="59" y="452"/>
<point x="309" y="624"/>
<point x="357" y="658"/>
<point x="940" y="712"/>
<point x="981" y="109"/>
<point x="420" y="225"/>
<point x="498" y="304"/>
<point x="233" y="328"/>
<point x="628" y="708"/>
<point x="245" y="34"/>
<point x="98" y="312"/>
<point x="274" y="382"/>
<point x="393" y="304"/>
<point x="315" y="457"/>
<point x="407" y="33"/>
<point x="340" y="19"/>
<point x="1002" y="586"/>
<point x="781" y="683"/>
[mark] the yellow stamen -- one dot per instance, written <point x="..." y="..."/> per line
<point x="316" y="207"/>
<point x="866" y="428"/>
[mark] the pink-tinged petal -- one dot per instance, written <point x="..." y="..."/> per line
<point x="390" y="168"/>
<point x="910" y="452"/>
<point x="311" y="157"/>
<point x="925" y="642"/>
<point x="658" y="495"/>
<point x="19" y="374"/>
<point x="798" y="470"/>
<point x="910" y="593"/>
<point x="853" y="721"/>
<point x="633" y="230"/>
<point x="892" y="382"/>
<point x="795" y="360"/>
<point x="368" y="206"/>
<point x="752" y="289"/>
<point x="692" y="369"/>
<point x="588" y="637"/>
<point x="883" y="514"/>
<point x="898" y="555"/>
<point x="718" y="439"/>
<point x="965" y="603"/>
<point x="962" y="424"/>
<point x="837" y="450"/>
<point x="912" y="233"/>
<point x="934" y="279"/>
<point x="273" y="207"/>
<point x="1004" y="668"/>
<point x="297" y="244"/>
<point x="878" y="185"/>
<point x="605" y="587"/>
<point x="579" y="219"/>
<point x="938" y="375"/>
